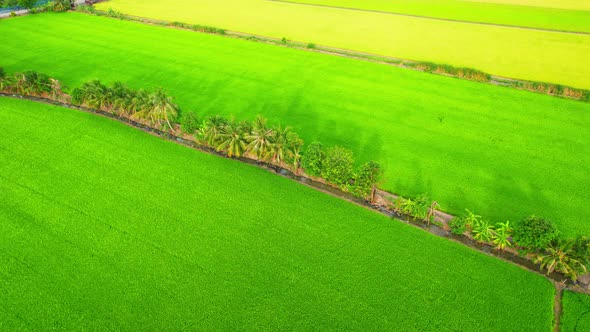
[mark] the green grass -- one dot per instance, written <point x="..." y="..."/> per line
<point x="103" y="226"/>
<point x="576" y="312"/>
<point x="500" y="152"/>
<point x="570" y="17"/>
<point x="511" y="52"/>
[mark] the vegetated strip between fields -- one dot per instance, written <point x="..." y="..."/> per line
<point x="508" y="256"/>
<point x="431" y="17"/>
<point x="551" y="89"/>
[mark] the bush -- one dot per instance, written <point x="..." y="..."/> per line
<point x="189" y="123"/>
<point x="60" y="5"/>
<point x="458" y="225"/>
<point x="581" y="249"/>
<point x="338" y="165"/>
<point x="367" y="176"/>
<point x="311" y="46"/>
<point x="113" y="13"/>
<point x="86" y="9"/>
<point x="313" y="159"/>
<point x="534" y="233"/>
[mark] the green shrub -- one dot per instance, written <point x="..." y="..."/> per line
<point x="60" y="5"/>
<point x="189" y="123"/>
<point x="458" y="225"/>
<point x="313" y="159"/>
<point x="366" y="177"/>
<point x="86" y="9"/>
<point x="581" y="249"/>
<point x="534" y="233"/>
<point x="77" y="96"/>
<point x="12" y="14"/>
<point x="113" y="13"/>
<point x="311" y="46"/>
<point x="338" y="165"/>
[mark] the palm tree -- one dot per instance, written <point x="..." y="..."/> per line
<point x="502" y="235"/>
<point x="4" y="80"/>
<point x="95" y="94"/>
<point x="294" y="146"/>
<point x="56" y="90"/>
<point x="159" y="108"/>
<point x="278" y="148"/>
<point x="212" y="129"/>
<point x="260" y="138"/>
<point x="122" y="98"/>
<point x="139" y="101"/>
<point x="559" y="257"/>
<point x="232" y="138"/>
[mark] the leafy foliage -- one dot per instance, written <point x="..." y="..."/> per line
<point x="30" y="83"/>
<point x="338" y="165"/>
<point x="561" y="257"/>
<point x="190" y="123"/>
<point x="313" y="159"/>
<point x="483" y="232"/>
<point x="366" y="177"/>
<point x="534" y="233"/>
<point x="502" y="235"/>
<point x="458" y="225"/>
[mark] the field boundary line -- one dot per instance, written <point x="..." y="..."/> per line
<point x="376" y="11"/>
<point x="550" y="89"/>
<point x="557" y="306"/>
<point x="510" y="256"/>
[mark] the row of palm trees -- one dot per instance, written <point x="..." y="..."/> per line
<point x="255" y="139"/>
<point x="30" y="83"/>
<point x="155" y="106"/>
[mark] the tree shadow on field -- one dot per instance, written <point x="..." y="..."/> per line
<point x="525" y="200"/>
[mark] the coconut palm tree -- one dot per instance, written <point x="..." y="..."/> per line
<point x="502" y="234"/>
<point x="559" y="256"/>
<point x="139" y="100"/>
<point x="232" y="138"/>
<point x="122" y="98"/>
<point x="95" y="94"/>
<point x="4" y="80"/>
<point x="294" y="147"/>
<point x="56" y="90"/>
<point x="278" y="149"/>
<point x="212" y="129"/>
<point x="260" y="138"/>
<point x="158" y="109"/>
<point x="30" y="83"/>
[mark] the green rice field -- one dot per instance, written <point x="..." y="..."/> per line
<point x="576" y="312"/>
<point x="104" y="227"/>
<point x="571" y="16"/>
<point x="545" y="56"/>
<point x="500" y="152"/>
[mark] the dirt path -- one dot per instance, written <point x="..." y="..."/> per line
<point x="433" y="18"/>
<point x="557" y="307"/>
